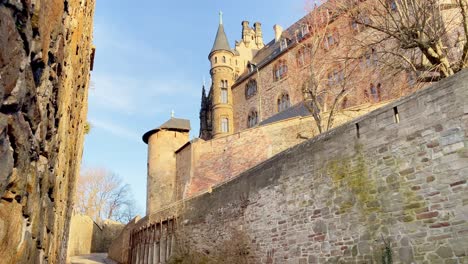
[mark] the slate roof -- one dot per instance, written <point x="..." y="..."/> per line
<point x="272" y="50"/>
<point x="176" y="124"/>
<point x="221" y="41"/>
<point x="297" y="110"/>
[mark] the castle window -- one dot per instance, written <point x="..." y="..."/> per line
<point x="411" y="78"/>
<point x="304" y="30"/>
<point x="216" y="59"/>
<point x="224" y="59"/>
<point x="393" y="5"/>
<point x="283" y="44"/>
<point x="252" y="118"/>
<point x="280" y="70"/>
<point x="224" y="125"/>
<point x="335" y="77"/>
<point x="251" y="89"/>
<point x="283" y="102"/>
<point x="224" y="92"/>
<point x="375" y="92"/>
<point x="303" y="55"/>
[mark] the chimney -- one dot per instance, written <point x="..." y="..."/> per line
<point x="278" y="31"/>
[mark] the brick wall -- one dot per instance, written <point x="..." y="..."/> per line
<point x="337" y="196"/>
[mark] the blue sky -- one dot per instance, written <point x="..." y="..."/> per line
<point x="151" y="58"/>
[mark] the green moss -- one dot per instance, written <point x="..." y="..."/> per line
<point x="352" y="173"/>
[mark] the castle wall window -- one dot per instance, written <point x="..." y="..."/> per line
<point x="283" y="102"/>
<point x="335" y="77"/>
<point x="224" y="96"/>
<point x="283" y="44"/>
<point x="224" y="59"/>
<point x="375" y="92"/>
<point x="251" y="89"/>
<point x="393" y="5"/>
<point x="216" y="59"/>
<point x="224" y="92"/>
<point x="252" y="119"/>
<point x="304" y="30"/>
<point x="303" y="55"/>
<point x="369" y="59"/>
<point x="224" y="125"/>
<point x="280" y="70"/>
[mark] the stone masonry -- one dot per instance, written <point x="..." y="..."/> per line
<point x="46" y="54"/>
<point x="398" y="174"/>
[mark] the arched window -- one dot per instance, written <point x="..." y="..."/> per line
<point x="303" y="55"/>
<point x="283" y="102"/>
<point x="280" y="70"/>
<point x="251" y="89"/>
<point x="224" y="125"/>
<point x="252" y="119"/>
<point x="216" y="59"/>
<point x="224" y="59"/>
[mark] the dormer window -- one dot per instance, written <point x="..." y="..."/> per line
<point x="283" y="44"/>
<point x="304" y="30"/>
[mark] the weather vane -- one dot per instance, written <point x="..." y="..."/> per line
<point x="220" y="17"/>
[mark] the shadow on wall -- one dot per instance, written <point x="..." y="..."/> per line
<point x="87" y="236"/>
<point x="118" y="250"/>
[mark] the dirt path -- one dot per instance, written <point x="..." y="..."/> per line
<point x="95" y="258"/>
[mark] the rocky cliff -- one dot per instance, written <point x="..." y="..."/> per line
<point x="46" y="55"/>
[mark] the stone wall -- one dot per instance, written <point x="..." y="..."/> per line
<point x="398" y="174"/>
<point x="119" y="248"/>
<point x="81" y="235"/>
<point x="45" y="58"/>
<point x="87" y="236"/>
<point x="204" y="164"/>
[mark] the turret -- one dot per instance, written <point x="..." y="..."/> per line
<point x="162" y="144"/>
<point x="258" y="35"/>
<point x="222" y="75"/>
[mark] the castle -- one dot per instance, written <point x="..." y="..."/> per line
<point x="261" y="184"/>
<point x="256" y="107"/>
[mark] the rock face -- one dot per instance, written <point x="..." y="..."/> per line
<point x="45" y="57"/>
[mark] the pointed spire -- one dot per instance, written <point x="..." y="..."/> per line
<point x="221" y="41"/>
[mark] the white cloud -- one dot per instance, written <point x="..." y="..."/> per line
<point x="128" y="95"/>
<point x="115" y="129"/>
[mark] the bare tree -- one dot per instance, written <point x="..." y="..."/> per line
<point x="428" y="37"/>
<point x="103" y="195"/>
<point x="329" y="76"/>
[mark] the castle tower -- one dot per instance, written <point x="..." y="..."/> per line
<point x="162" y="144"/>
<point x="222" y="76"/>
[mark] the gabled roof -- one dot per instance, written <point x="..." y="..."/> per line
<point x="175" y="124"/>
<point x="221" y="41"/>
